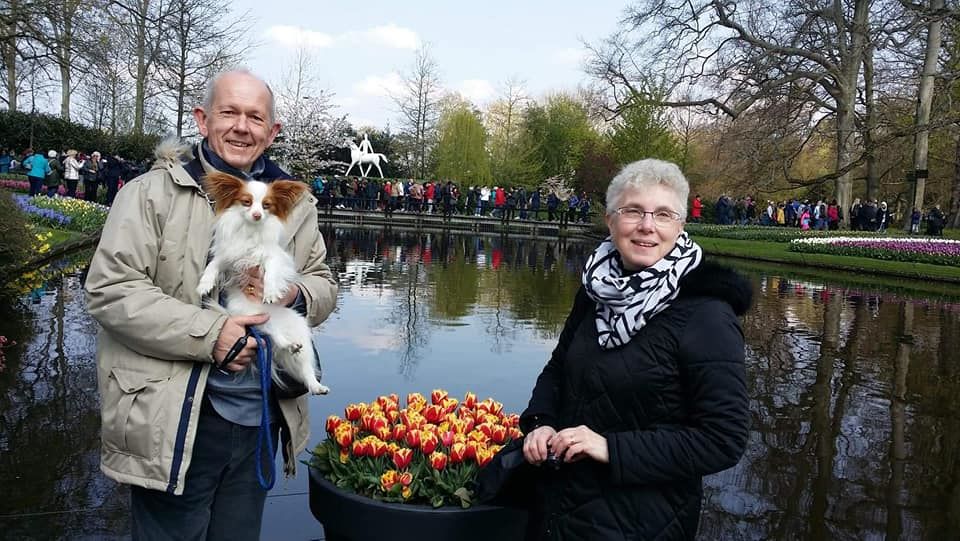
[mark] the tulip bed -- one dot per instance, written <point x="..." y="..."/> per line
<point x="65" y="212"/>
<point x="768" y="234"/>
<point x="912" y="250"/>
<point x="424" y="453"/>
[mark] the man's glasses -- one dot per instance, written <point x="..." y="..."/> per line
<point x="661" y="217"/>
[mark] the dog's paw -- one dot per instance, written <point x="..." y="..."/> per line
<point x="315" y="387"/>
<point x="204" y="287"/>
<point x="272" y="295"/>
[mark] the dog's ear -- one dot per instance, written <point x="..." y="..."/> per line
<point x="283" y="195"/>
<point x="224" y="189"/>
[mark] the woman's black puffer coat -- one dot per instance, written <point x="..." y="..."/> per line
<point x="672" y="404"/>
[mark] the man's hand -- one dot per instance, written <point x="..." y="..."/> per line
<point x="535" y="446"/>
<point x="234" y="329"/>
<point x="252" y="286"/>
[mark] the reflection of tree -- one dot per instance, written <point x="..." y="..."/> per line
<point x="50" y="427"/>
<point x="898" y="406"/>
<point x="456" y="284"/>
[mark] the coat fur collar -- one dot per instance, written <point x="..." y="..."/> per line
<point x="711" y="279"/>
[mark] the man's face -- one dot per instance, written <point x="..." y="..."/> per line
<point x="238" y="125"/>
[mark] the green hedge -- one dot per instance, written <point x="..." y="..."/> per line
<point x="53" y="133"/>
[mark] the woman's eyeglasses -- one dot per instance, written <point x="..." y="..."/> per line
<point x="661" y="217"/>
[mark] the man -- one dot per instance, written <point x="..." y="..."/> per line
<point x="181" y="432"/>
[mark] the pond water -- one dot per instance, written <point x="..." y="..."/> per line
<point x="855" y="392"/>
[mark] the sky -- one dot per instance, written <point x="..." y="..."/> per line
<point x="361" y="48"/>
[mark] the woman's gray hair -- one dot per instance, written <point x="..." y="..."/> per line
<point x="212" y="88"/>
<point x="644" y="174"/>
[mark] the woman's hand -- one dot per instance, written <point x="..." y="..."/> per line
<point x="535" y="447"/>
<point x="573" y="444"/>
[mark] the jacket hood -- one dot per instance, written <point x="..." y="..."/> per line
<point x="711" y="279"/>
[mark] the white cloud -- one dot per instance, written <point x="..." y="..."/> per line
<point x="293" y="37"/>
<point x="389" y="35"/>
<point x="570" y="56"/>
<point x="380" y="85"/>
<point x="476" y="90"/>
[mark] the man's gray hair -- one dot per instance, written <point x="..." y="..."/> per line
<point x="644" y="174"/>
<point x="212" y="86"/>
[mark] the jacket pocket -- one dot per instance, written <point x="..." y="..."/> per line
<point x="134" y="424"/>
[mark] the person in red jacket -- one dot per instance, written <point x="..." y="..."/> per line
<point x="697" y="212"/>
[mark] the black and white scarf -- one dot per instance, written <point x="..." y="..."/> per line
<point x="625" y="302"/>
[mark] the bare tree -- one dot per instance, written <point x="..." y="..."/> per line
<point x="418" y="104"/>
<point x="202" y="39"/>
<point x="739" y="54"/>
<point x="143" y="25"/>
<point x="306" y="113"/>
<point x="61" y="36"/>
<point x="924" y="101"/>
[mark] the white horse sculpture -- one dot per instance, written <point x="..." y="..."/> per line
<point x="359" y="158"/>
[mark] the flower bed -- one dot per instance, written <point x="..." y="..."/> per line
<point x="18" y="185"/>
<point x="423" y="453"/>
<point x="13" y="176"/>
<point x="768" y="234"/>
<point x="65" y="212"/>
<point x="913" y="250"/>
<point x="41" y="215"/>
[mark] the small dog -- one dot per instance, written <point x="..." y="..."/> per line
<point x="250" y="218"/>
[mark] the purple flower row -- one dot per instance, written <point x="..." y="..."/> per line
<point x="927" y="246"/>
<point x="50" y="216"/>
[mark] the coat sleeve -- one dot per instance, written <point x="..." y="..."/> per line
<point x="317" y="283"/>
<point x="544" y="403"/>
<point x="123" y="298"/>
<point x="714" y="436"/>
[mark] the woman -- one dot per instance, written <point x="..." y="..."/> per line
<point x="91" y="176"/>
<point x="71" y="172"/>
<point x="52" y="180"/>
<point x="37" y="169"/>
<point x="645" y="392"/>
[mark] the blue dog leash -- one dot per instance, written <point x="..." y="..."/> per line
<point x="264" y="439"/>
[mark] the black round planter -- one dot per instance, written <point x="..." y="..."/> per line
<point x="349" y="517"/>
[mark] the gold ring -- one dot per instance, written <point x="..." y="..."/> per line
<point x="250" y="289"/>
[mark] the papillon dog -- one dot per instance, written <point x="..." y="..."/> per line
<point x="247" y="234"/>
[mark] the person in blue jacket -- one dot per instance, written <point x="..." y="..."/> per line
<point x="37" y="170"/>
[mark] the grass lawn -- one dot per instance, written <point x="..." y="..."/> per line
<point x="60" y="236"/>
<point x="778" y="253"/>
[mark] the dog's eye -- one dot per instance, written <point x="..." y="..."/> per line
<point x="246" y="202"/>
<point x="266" y="206"/>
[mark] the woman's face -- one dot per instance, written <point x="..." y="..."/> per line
<point x="643" y="244"/>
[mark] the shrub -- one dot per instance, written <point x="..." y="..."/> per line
<point x="15" y="242"/>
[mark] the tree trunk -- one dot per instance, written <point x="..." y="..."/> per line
<point x="65" y="91"/>
<point x="141" y="54"/>
<point x="846" y="99"/>
<point x="924" y="100"/>
<point x="869" y="142"/>
<point x="953" y="218"/>
<point x="8" y="48"/>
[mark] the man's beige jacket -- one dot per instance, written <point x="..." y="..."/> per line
<point x="154" y="350"/>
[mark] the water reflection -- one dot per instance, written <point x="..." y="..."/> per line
<point x="855" y="391"/>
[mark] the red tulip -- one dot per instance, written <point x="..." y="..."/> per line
<point x="384" y="432"/>
<point x="515" y="433"/>
<point x="470" y="401"/>
<point x="333" y="421"/>
<point x="413" y="438"/>
<point x="428" y="442"/>
<point x="446" y="438"/>
<point x="458" y="452"/>
<point x="512" y="420"/>
<point x="354" y="411"/>
<point x="499" y="434"/>
<point x="449" y="405"/>
<point x="398" y="432"/>
<point x="358" y="448"/>
<point x="472" y="449"/>
<point x="378" y="448"/>
<point x="437" y="396"/>
<point x="406" y="478"/>
<point x="438" y="460"/>
<point x="402" y="458"/>
<point x="388" y="479"/>
<point x="433" y="413"/>
<point x="415" y="398"/>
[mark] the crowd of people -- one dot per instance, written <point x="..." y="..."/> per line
<point x="865" y="215"/>
<point x="68" y="168"/>
<point x="448" y="199"/>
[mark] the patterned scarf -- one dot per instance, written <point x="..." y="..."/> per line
<point x="625" y="302"/>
